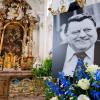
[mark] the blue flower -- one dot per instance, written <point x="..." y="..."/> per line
<point x="65" y="89"/>
<point x="53" y="87"/>
<point x="95" y="95"/>
<point x="63" y="81"/>
<point x="69" y="93"/>
<point x="62" y="92"/>
<point x="56" y="89"/>
<point x="96" y="85"/>
<point x="97" y="74"/>
<point x="87" y="76"/>
<point x="50" y="84"/>
<point x="82" y="74"/>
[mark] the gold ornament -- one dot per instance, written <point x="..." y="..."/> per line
<point x="81" y="3"/>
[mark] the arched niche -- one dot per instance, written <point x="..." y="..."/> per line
<point x="12" y="43"/>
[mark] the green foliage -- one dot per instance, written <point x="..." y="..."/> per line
<point x="48" y="93"/>
<point x="45" y="68"/>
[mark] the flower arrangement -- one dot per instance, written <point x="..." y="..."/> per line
<point x="86" y="86"/>
<point x="44" y="70"/>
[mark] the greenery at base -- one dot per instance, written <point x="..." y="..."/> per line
<point x="48" y="93"/>
<point x="44" y="69"/>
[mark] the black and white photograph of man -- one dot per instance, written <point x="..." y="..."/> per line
<point x="79" y="40"/>
<point x="81" y="36"/>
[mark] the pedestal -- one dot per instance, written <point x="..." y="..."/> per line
<point x="5" y="77"/>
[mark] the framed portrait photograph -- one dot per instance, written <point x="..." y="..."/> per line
<point x="76" y="36"/>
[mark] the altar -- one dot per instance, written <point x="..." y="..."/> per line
<point x="16" y="45"/>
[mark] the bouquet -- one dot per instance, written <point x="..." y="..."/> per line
<point x="86" y="86"/>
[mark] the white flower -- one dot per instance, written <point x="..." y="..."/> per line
<point x="84" y="84"/>
<point x="71" y="98"/>
<point x="83" y="97"/>
<point x="92" y="68"/>
<point x="54" y="98"/>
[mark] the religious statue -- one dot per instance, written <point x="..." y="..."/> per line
<point x="9" y="60"/>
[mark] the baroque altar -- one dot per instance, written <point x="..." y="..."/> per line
<point x="16" y="40"/>
<point x="16" y="43"/>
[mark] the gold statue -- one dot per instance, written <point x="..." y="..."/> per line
<point x="1" y="62"/>
<point x="9" y="60"/>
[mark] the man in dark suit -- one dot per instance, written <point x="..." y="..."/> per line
<point x="97" y="53"/>
<point x="80" y="39"/>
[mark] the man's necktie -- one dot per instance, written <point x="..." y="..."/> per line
<point x="80" y="64"/>
<point x="81" y="55"/>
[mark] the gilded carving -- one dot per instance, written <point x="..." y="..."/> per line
<point x="16" y="28"/>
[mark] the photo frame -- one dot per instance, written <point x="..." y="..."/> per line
<point x="59" y="47"/>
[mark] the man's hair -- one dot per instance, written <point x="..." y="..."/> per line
<point x="81" y="17"/>
<point x="75" y="18"/>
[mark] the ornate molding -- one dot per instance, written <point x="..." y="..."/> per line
<point x="16" y="30"/>
<point x="61" y="6"/>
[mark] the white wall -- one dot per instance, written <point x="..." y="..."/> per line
<point x="43" y="33"/>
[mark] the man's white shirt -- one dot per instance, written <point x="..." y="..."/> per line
<point x="71" y="60"/>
